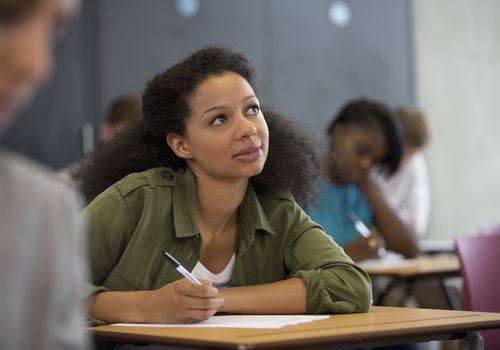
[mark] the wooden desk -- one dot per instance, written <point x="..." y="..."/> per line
<point x="408" y="271"/>
<point x="380" y="326"/>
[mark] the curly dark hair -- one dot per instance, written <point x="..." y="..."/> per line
<point x="292" y="163"/>
<point x="374" y="115"/>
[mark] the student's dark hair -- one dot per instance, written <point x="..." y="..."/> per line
<point x="374" y="115"/>
<point x="414" y="125"/>
<point x="292" y="162"/>
<point x="124" y="109"/>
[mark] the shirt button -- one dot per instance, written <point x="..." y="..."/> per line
<point x="167" y="175"/>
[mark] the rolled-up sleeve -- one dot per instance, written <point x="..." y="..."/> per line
<point x="334" y="283"/>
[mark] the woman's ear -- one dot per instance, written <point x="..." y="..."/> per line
<point x="178" y="144"/>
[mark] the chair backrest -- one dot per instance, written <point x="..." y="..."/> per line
<point x="490" y="229"/>
<point x="479" y="263"/>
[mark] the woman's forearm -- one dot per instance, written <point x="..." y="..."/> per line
<point x="112" y="307"/>
<point x="283" y="297"/>
<point x="176" y="302"/>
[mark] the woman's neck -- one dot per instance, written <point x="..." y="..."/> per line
<point x="218" y="202"/>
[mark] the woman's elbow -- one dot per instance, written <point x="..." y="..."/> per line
<point x="364" y="300"/>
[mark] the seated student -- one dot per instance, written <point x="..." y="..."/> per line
<point x="211" y="179"/>
<point x="41" y="256"/>
<point x="362" y="135"/>
<point x="407" y="190"/>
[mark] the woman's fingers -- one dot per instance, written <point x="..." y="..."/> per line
<point x="205" y="290"/>
<point x="195" y="303"/>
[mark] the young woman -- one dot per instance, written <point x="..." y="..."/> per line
<point x="362" y="135"/>
<point x="212" y="180"/>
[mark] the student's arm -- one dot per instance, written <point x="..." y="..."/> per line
<point x="283" y="297"/>
<point x="177" y="302"/>
<point x="397" y="235"/>
<point x="333" y="283"/>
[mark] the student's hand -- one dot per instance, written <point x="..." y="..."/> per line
<point x="366" y="185"/>
<point x="362" y="248"/>
<point x="183" y="302"/>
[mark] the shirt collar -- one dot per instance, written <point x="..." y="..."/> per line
<point x="251" y="217"/>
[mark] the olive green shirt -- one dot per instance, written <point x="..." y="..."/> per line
<point x="144" y="214"/>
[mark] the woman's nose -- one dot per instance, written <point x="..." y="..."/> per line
<point x="246" y="128"/>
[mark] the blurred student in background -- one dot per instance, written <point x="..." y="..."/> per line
<point x="41" y="260"/>
<point x="123" y="111"/>
<point x="349" y="205"/>
<point x="407" y="190"/>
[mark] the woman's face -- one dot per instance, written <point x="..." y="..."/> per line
<point x="353" y="151"/>
<point x="226" y="135"/>
<point x="27" y="33"/>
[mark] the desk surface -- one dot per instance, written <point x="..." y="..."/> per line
<point x="380" y="325"/>
<point x="424" y="266"/>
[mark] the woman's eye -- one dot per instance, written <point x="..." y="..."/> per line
<point x="254" y="109"/>
<point x="218" y="120"/>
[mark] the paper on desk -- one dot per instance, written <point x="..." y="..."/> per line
<point x="237" y="321"/>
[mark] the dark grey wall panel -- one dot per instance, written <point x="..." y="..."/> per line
<point x="142" y="38"/>
<point x="306" y="68"/>
<point x="317" y="67"/>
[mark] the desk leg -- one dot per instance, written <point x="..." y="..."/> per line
<point x="407" y="289"/>
<point x="410" y="283"/>
<point x="450" y="295"/>
<point x="385" y="291"/>
<point x="473" y="341"/>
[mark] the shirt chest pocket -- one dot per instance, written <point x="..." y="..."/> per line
<point x="141" y="268"/>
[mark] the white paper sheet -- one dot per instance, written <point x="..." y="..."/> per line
<point x="237" y="321"/>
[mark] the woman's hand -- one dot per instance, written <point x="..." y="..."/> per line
<point x="182" y="302"/>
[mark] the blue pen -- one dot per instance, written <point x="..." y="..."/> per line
<point x="182" y="270"/>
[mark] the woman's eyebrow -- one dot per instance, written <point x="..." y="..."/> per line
<point x="214" y="108"/>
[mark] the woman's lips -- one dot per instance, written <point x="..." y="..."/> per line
<point x="249" y="154"/>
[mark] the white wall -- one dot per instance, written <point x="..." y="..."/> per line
<point x="457" y="46"/>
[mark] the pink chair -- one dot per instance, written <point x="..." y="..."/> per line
<point x="479" y="264"/>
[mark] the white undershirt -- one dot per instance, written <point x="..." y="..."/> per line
<point x="407" y="191"/>
<point x="218" y="280"/>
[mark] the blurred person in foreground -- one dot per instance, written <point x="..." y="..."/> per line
<point x="41" y="260"/>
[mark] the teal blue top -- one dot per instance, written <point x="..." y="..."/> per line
<point x="334" y="203"/>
